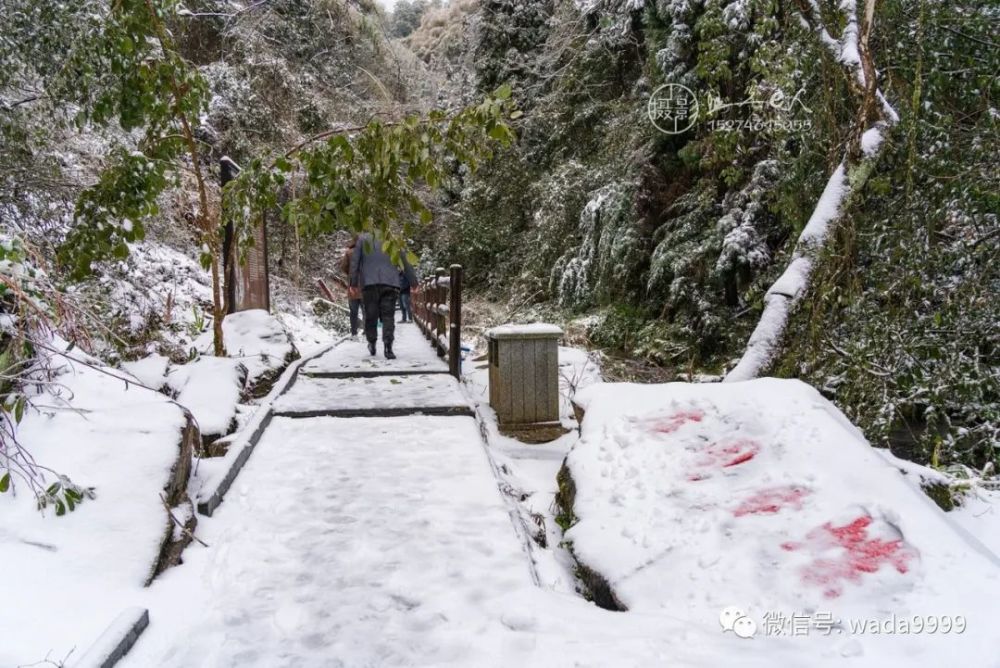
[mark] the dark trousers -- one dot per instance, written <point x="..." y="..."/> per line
<point x="380" y="304"/>
<point x="355" y="305"/>
<point x="404" y="305"/>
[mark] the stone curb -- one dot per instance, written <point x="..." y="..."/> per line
<point x="210" y="497"/>
<point x="116" y="641"/>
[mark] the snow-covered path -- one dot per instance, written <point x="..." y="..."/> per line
<point x="414" y="355"/>
<point x="349" y="539"/>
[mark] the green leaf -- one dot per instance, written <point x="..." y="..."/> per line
<point x="60" y="508"/>
<point x="501" y="133"/>
<point x="5" y="482"/>
<point x="503" y="92"/>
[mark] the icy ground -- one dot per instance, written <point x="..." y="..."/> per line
<point x="409" y="541"/>
<point x="384" y="541"/>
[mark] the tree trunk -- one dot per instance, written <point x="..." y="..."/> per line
<point x="208" y="229"/>
<point x="843" y="186"/>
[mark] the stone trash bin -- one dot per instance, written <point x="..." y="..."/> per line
<point x="524" y="380"/>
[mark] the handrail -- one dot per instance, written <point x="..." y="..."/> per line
<point x="437" y="307"/>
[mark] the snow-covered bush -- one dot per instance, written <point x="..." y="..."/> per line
<point x="610" y="259"/>
<point x="31" y="312"/>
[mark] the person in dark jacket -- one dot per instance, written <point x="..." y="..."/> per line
<point x="353" y="293"/>
<point x="405" y="305"/>
<point x="373" y="271"/>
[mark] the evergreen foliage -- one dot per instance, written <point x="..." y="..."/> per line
<point x="672" y="240"/>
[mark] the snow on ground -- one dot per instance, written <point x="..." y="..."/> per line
<point x="257" y="346"/>
<point x="296" y="309"/>
<point x="979" y="514"/>
<point x="410" y="347"/>
<point x="66" y="578"/>
<point x="254" y="338"/>
<point x="528" y="472"/>
<point x="409" y="391"/>
<point x="307" y="334"/>
<point x="151" y="370"/>
<point x="384" y="542"/>
<point x="978" y="509"/>
<point x="691" y="498"/>
<point x="376" y="542"/>
<point x="160" y="287"/>
<point x="210" y="388"/>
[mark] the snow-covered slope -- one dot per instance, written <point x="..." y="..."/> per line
<point x="692" y="498"/>
<point x="66" y="578"/>
<point x="256" y="339"/>
<point x="212" y="387"/>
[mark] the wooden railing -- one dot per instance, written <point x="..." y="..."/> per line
<point x="437" y="310"/>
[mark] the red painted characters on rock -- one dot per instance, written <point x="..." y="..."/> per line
<point x="843" y="554"/>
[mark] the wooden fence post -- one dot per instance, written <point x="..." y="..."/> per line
<point x="455" y="316"/>
<point x="438" y="318"/>
<point x="422" y="305"/>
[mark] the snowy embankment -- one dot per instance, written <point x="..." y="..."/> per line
<point x="120" y="432"/>
<point x="691" y="498"/>
<point x="68" y="577"/>
<point x="212" y="388"/>
<point x="165" y="297"/>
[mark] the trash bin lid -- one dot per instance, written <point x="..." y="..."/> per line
<point x="536" y="330"/>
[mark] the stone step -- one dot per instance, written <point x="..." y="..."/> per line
<point x="374" y="396"/>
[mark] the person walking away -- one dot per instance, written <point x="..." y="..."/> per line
<point x="373" y="271"/>
<point x="405" y="303"/>
<point x="353" y="292"/>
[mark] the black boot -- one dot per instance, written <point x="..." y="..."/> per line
<point x="389" y="355"/>
<point x="371" y="347"/>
